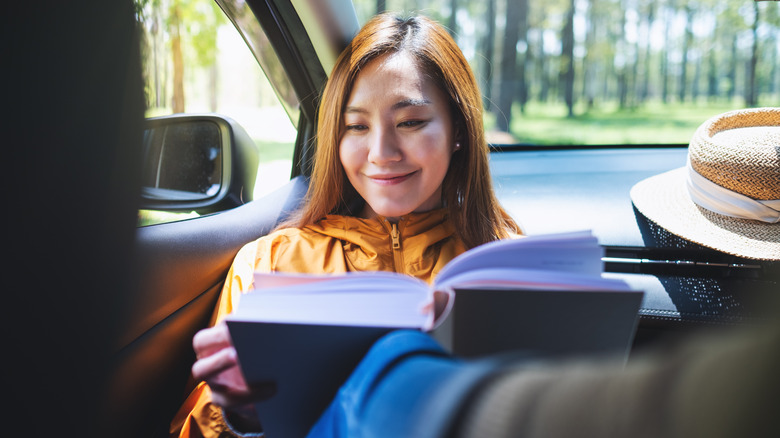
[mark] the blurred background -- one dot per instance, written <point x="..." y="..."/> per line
<point x="553" y="72"/>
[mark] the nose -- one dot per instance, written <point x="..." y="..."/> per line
<point x="384" y="147"/>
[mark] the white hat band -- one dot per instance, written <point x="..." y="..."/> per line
<point x="721" y="200"/>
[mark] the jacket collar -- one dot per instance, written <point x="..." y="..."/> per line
<point x="424" y="229"/>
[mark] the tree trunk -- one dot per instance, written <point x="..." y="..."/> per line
<point x="695" y="81"/>
<point x="644" y="91"/>
<point x="683" y="84"/>
<point x="712" y="76"/>
<point x="751" y="96"/>
<point x="774" y="76"/>
<point x="665" y="55"/>
<point x="178" y="62"/>
<point x="588" y="64"/>
<point x="452" y="22"/>
<point x="567" y="59"/>
<point x="544" y="78"/>
<point x="622" y="67"/>
<point x="509" y="63"/>
<point x="522" y="84"/>
<point x="732" y="91"/>
<point x="712" y="68"/>
<point x="489" y="48"/>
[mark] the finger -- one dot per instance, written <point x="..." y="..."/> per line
<point x="207" y="341"/>
<point x="209" y="366"/>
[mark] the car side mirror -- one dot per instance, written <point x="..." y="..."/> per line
<point x="202" y="163"/>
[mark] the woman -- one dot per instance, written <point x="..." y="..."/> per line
<point x="401" y="183"/>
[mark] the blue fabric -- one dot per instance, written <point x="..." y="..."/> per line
<point x="344" y="416"/>
<point x="407" y="385"/>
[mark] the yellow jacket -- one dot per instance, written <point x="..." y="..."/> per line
<point x="420" y="244"/>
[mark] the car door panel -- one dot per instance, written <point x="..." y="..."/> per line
<point x="183" y="266"/>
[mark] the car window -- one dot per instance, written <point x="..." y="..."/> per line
<point x="196" y="61"/>
<point x="609" y="72"/>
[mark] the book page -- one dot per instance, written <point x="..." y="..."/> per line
<point x="264" y="280"/>
<point x="356" y="300"/>
<point x="577" y="252"/>
<point x="535" y="279"/>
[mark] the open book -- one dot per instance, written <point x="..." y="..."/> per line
<point x="308" y="332"/>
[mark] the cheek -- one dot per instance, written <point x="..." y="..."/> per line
<point x="432" y="150"/>
<point x="350" y="156"/>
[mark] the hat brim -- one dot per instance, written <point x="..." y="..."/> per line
<point x="664" y="200"/>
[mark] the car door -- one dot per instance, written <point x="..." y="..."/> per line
<point x="181" y="265"/>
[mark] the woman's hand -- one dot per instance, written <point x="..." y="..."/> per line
<point x="217" y="365"/>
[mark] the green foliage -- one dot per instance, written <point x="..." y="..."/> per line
<point x="195" y="22"/>
<point x="201" y="20"/>
<point x="654" y="123"/>
<point x="629" y="55"/>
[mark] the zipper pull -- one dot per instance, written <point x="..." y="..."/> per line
<point x="396" y="236"/>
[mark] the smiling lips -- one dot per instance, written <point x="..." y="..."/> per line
<point x="390" y="179"/>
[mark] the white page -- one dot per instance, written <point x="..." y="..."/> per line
<point x="532" y="279"/>
<point x="377" y="308"/>
<point x="264" y="280"/>
<point x="573" y="252"/>
<point x="396" y="301"/>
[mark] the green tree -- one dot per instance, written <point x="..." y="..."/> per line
<point x="452" y="21"/>
<point x="670" y="10"/>
<point x="515" y="28"/>
<point x="174" y="26"/>
<point x="682" y="88"/>
<point x="751" y="96"/>
<point x="489" y="49"/>
<point x="178" y="34"/>
<point x="567" y="59"/>
<point x="647" y="10"/>
<point x="731" y="24"/>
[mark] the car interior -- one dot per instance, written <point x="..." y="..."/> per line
<point x="173" y="271"/>
<point x="183" y="264"/>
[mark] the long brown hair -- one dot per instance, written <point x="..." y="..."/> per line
<point x="467" y="189"/>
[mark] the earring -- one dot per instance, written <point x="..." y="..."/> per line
<point x="457" y="145"/>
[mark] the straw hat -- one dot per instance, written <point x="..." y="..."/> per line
<point x="727" y="197"/>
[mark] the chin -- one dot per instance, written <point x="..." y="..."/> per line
<point x="391" y="212"/>
<point x="394" y="213"/>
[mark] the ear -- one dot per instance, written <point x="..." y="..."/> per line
<point x="458" y="139"/>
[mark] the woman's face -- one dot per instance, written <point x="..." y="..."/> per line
<point x="398" y="138"/>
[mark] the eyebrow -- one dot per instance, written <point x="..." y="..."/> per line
<point x="396" y="106"/>
<point x="410" y="102"/>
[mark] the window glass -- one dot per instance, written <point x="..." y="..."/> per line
<point x="598" y="72"/>
<point x="196" y="61"/>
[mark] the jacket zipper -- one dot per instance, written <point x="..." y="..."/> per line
<point x="398" y="258"/>
<point x="396" y="236"/>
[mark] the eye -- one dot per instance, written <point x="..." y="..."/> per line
<point x="411" y="123"/>
<point x="356" y="127"/>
